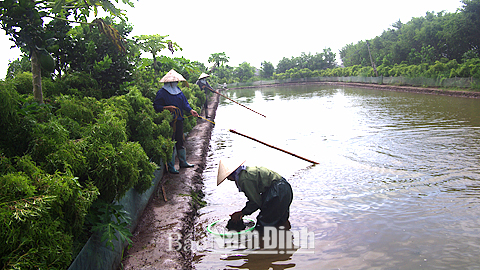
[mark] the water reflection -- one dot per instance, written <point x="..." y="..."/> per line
<point x="261" y="261"/>
<point x="397" y="185"/>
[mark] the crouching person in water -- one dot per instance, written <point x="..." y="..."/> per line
<point x="265" y="189"/>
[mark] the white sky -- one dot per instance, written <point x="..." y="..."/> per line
<point x="263" y="30"/>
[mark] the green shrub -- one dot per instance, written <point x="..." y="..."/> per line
<point x="80" y="150"/>
<point x="75" y="130"/>
<point x="16" y="185"/>
<point x="365" y="72"/>
<point x="9" y="120"/>
<point x="51" y="88"/>
<point x="81" y="84"/>
<point x="5" y="164"/>
<point x="40" y="215"/>
<point x="23" y="83"/>
<point x="116" y="170"/>
<point x="70" y="156"/>
<point x="16" y="129"/>
<point x="75" y="109"/>
<point x="47" y="138"/>
<point x="109" y="129"/>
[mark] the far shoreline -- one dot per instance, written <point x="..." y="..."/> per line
<point x="398" y="88"/>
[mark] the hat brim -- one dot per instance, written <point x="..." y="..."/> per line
<point x="172" y="76"/>
<point x="204" y="75"/>
<point x="225" y="169"/>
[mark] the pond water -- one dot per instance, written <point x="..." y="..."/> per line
<point x="397" y="184"/>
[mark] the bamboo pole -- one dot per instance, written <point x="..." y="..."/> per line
<point x="216" y="92"/>
<point x="274" y="147"/>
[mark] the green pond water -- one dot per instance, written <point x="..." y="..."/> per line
<point x="397" y="184"/>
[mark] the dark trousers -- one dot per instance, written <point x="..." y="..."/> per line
<point x="276" y="202"/>
<point x="178" y="134"/>
<point x="205" y="105"/>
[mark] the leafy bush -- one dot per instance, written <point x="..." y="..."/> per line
<point x="440" y="69"/>
<point x="69" y="156"/>
<point x="59" y="158"/>
<point x="115" y="170"/>
<point x="47" y="137"/>
<point x="9" y="102"/>
<point x="40" y="215"/>
<point x="23" y="83"/>
<point x="471" y="68"/>
<point x="81" y="84"/>
<point x="77" y="110"/>
<point x="15" y="136"/>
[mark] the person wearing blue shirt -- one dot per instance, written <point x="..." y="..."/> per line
<point x="170" y="97"/>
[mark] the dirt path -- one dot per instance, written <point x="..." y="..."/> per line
<point x="154" y="241"/>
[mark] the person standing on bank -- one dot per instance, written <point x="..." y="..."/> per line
<point x="265" y="189"/>
<point x="203" y="84"/>
<point x="171" y="98"/>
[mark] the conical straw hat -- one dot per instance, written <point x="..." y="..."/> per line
<point x="204" y="75"/>
<point x="172" y="76"/>
<point x="226" y="168"/>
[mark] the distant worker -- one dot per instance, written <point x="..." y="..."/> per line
<point x="203" y="84"/>
<point x="265" y="189"/>
<point x="171" y="98"/>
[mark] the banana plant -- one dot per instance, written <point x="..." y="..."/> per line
<point x="154" y="44"/>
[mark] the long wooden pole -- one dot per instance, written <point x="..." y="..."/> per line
<point x="274" y="147"/>
<point x="216" y="92"/>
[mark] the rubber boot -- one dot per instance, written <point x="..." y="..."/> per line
<point x="171" y="164"/>
<point x="182" y="157"/>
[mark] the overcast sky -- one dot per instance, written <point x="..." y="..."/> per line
<point x="263" y="30"/>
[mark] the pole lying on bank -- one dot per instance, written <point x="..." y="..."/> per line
<point x="216" y="92"/>
<point x="274" y="147"/>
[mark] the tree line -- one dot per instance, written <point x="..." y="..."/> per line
<point x="437" y="45"/>
<point x="451" y="36"/>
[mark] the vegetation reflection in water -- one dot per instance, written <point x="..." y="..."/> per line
<point x="397" y="184"/>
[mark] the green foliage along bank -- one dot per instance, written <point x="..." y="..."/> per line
<point x="78" y="127"/>
<point x="62" y="161"/>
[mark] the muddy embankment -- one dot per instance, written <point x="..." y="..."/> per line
<point x="163" y="221"/>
